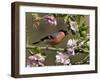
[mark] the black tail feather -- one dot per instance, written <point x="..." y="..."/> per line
<point x="45" y="38"/>
<point x="36" y="42"/>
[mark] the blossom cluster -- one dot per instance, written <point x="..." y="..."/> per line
<point x="36" y="60"/>
<point x="51" y="20"/>
<point x="71" y="46"/>
<point x="63" y="57"/>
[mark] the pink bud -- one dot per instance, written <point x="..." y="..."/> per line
<point x="51" y="20"/>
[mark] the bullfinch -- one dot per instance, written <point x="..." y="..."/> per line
<point x="53" y="39"/>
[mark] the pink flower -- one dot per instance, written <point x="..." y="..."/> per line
<point x="70" y="50"/>
<point x="51" y="20"/>
<point x="62" y="58"/>
<point x="71" y="43"/>
<point x="36" y="60"/>
<point x="67" y="62"/>
<point x="73" y="26"/>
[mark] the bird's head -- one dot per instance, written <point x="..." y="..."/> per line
<point x="65" y="31"/>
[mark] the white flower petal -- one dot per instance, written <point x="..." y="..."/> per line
<point x="57" y="57"/>
<point x="73" y="53"/>
<point x="73" y="25"/>
<point x="70" y="43"/>
<point x="62" y="60"/>
<point x="66" y="62"/>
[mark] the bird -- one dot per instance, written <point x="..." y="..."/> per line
<point x="54" y="38"/>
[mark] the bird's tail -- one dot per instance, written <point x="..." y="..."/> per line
<point x="36" y="42"/>
<point x="40" y="40"/>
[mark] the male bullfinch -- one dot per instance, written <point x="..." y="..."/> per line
<point x="54" y="38"/>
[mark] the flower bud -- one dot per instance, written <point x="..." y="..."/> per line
<point x="51" y="20"/>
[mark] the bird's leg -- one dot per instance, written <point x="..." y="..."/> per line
<point x="47" y="47"/>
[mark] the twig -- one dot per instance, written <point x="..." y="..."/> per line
<point x="49" y="48"/>
<point x="30" y="52"/>
<point x="84" y="50"/>
<point x="83" y="60"/>
<point x="81" y="49"/>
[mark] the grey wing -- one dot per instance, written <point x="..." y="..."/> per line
<point x="54" y="34"/>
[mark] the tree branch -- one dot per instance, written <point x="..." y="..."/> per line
<point x="51" y="48"/>
<point x="48" y="48"/>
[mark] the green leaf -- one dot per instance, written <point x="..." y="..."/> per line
<point x="77" y="58"/>
<point x="34" y="14"/>
<point x="78" y="35"/>
<point x="78" y="19"/>
<point x="83" y="33"/>
<point x="36" y="50"/>
<point x="66" y="19"/>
